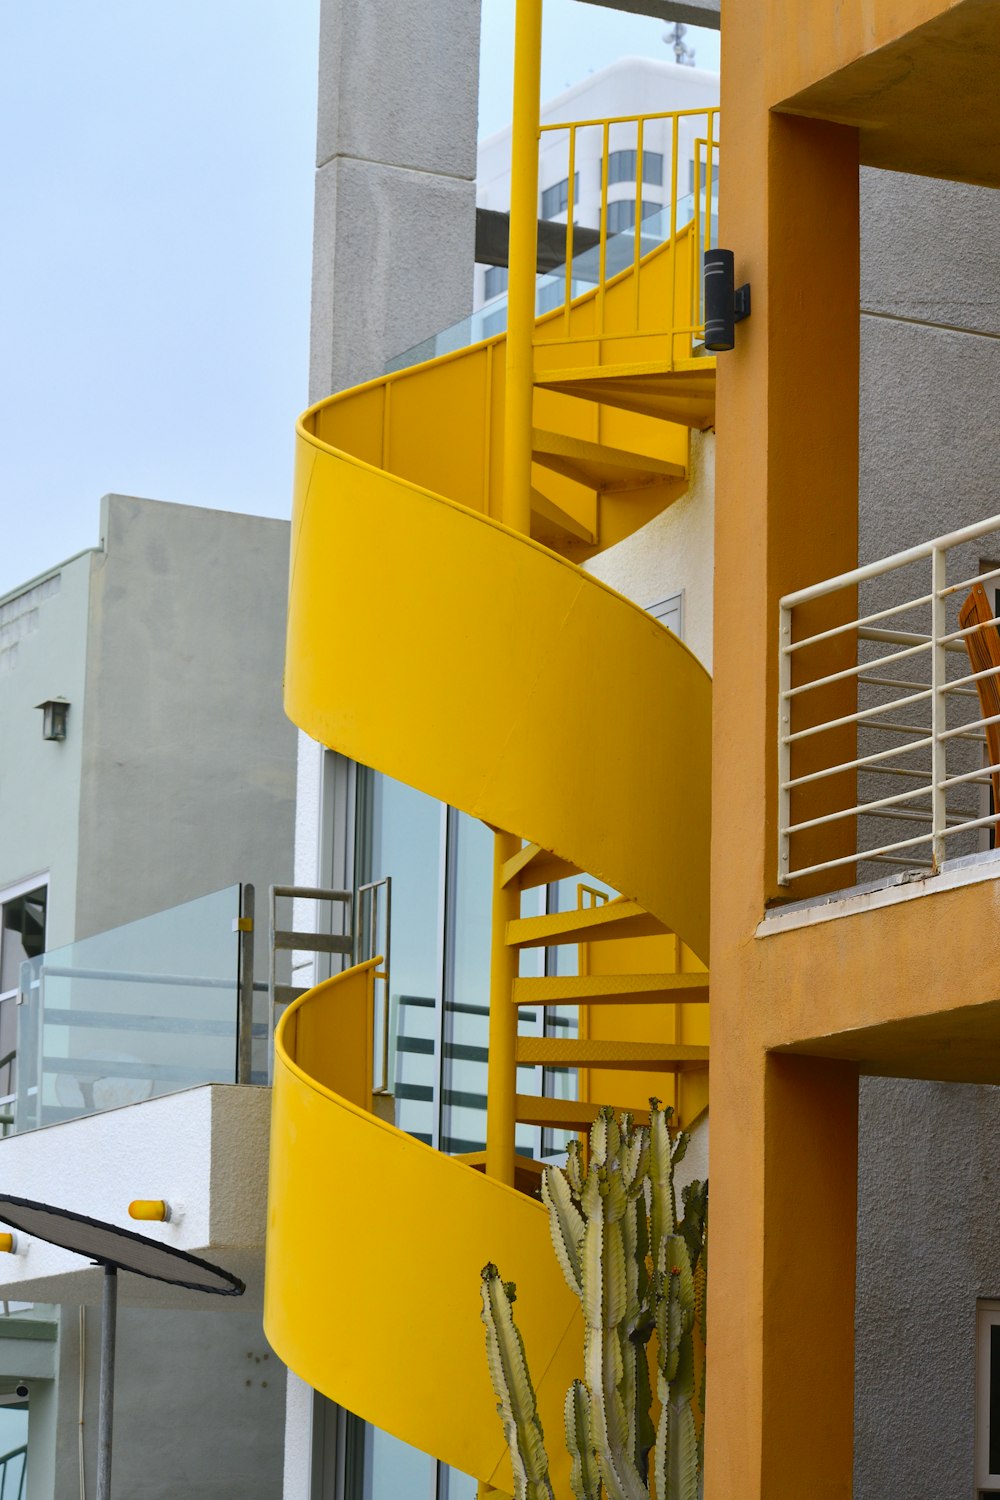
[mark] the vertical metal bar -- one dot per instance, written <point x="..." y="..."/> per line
<point x="523" y="260"/>
<point x="570" y="209"/>
<point x="674" y="143"/>
<point x="784" y="749"/>
<point x="603" y="241"/>
<point x="272" y="980"/>
<point x="446" y="959"/>
<point x="106" y="1399"/>
<point x="501" y="1080"/>
<point x="697" y="231"/>
<point x="244" y="1016"/>
<point x="939" y="704"/>
<point x="637" y="249"/>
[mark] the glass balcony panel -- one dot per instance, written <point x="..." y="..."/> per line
<point x="143" y="1010"/>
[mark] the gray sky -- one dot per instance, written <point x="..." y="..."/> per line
<point x="157" y="166"/>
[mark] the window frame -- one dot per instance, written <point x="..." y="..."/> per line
<point x="562" y="189"/>
<point x="13" y="996"/>
<point x="987" y="1318"/>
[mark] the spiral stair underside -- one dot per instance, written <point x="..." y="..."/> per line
<point x="429" y="641"/>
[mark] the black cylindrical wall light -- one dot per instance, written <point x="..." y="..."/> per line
<point x="725" y="306"/>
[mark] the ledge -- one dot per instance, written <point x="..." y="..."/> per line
<point x="972" y="870"/>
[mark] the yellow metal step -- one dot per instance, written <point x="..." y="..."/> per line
<point x="596" y="923"/>
<point x="534" y="865"/>
<point x="577" y="1052"/>
<point x="563" y="1114"/>
<point x="598" y="466"/>
<point x="527" y="1171"/>
<point x="548" y="517"/>
<point x="655" y="390"/>
<point x="612" y="989"/>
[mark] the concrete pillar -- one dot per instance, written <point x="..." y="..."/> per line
<point x="784" y="1129"/>
<point x="395" y="183"/>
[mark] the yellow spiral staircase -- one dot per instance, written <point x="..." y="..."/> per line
<point x="494" y="673"/>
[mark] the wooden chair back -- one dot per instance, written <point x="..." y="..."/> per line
<point x="983" y="647"/>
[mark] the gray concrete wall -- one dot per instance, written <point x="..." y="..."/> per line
<point x="929" y="1184"/>
<point x="188" y="761"/>
<point x="395" y="190"/>
<point x="929" y="1246"/>
<point x="43" y="636"/>
<point x="199" y="1409"/>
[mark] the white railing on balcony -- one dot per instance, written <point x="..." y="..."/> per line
<point x="887" y="745"/>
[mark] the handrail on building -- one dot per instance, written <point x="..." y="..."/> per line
<point x="862" y="705"/>
<point x="705" y="176"/>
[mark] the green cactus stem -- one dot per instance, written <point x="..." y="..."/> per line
<point x="512" y="1386"/>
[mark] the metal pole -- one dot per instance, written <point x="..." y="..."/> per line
<point x="105" y="1415"/>
<point x="501" y="1080"/>
<point x="518" y="428"/>
<point x="244" y="1018"/>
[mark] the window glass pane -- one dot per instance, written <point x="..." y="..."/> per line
<point x="621" y="215"/>
<point x="621" y="166"/>
<point x="22" y="935"/>
<point x="404" y="841"/>
<point x="467" y="1007"/>
<point x="495" y="281"/>
<point x="393" y="1469"/>
<point x="652" y="168"/>
<point x="555" y="199"/>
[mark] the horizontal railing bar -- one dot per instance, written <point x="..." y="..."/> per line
<point x="983" y="775"/>
<point x="890" y="564"/>
<point x="858" y="856"/>
<point x="894" y="771"/>
<point x="893" y="728"/>
<point x="958" y="635"/>
<point x="859" y="808"/>
<point x="951" y="687"/>
<point x="965" y="730"/>
<point x="861" y="717"/>
<point x="893" y="682"/>
<point x="668" y="114"/>
<point x="846" y="672"/>
<point x="967" y="583"/>
<point x="127" y="976"/>
<point x="975" y="823"/>
<point x="851" y="765"/>
<point x="921" y="817"/>
<point x="312" y="893"/>
<point x="858" y="624"/>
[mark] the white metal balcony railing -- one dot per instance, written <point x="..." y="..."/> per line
<point x="888" y="741"/>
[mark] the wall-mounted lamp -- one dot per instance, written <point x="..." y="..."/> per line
<point x="152" y="1210"/>
<point x="54" y="711"/>
<point x="725" y="303"/>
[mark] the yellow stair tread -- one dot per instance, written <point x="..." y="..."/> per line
<point x="578" y="1052"/>
<point x="619" y="918"/>
<point x="686" y="396"/>
<point x="612" y="989"/>
<point x="548" y="515"/>
<point x="527" y="1170"/>
<point x="563" y="1114"/>
<point x="534" y="865"/>
<point x="596" y="464"/>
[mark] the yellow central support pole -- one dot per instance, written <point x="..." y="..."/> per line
<point x="516" y="513"/>
<point x="501" y="1085"/>
<point x="522" y="260"/>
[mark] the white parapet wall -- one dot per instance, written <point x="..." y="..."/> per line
<point x="204" y="1151"/>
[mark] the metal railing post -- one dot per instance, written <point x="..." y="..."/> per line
<point x="784" y="747"/>
<point x="244" y="1014"/>
<point x="939" y="705"/>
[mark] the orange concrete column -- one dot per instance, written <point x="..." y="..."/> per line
<point x="781" y="1313"/>
<point x="783" y="1149"/>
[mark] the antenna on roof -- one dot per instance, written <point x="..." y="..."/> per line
<point x="683" y="54"/>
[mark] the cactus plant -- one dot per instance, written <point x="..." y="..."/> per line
<point x="640" y="1275"/>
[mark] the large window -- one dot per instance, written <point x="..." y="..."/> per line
<point x="22" y="936"/>
<point x="622" y="165"/>
<point x="555" y="199"/>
